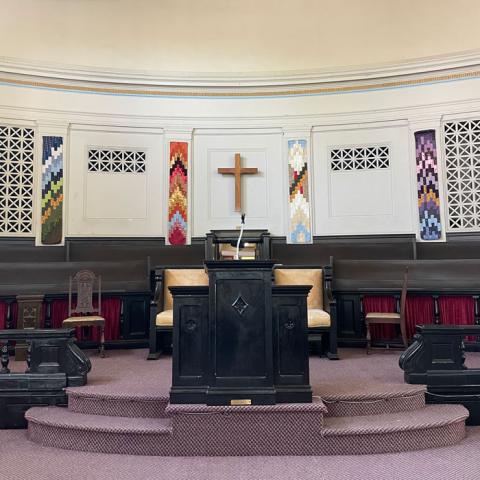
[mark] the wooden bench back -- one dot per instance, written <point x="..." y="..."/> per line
<point x="303" y="276"/>
<point x="176" y="277"/>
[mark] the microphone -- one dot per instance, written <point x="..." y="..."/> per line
<point x="240" y="236"/>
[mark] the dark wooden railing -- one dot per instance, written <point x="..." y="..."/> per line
<point x="436" y="358"/>
<point x="53" y="363"/>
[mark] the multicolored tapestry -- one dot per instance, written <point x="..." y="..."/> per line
<point x="300" y="229"/>
<point x="428" y="185"/>
<point x="52" y="191"/>
<point x="178" y="190"/>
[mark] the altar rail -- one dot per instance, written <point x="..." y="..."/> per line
<point x="53" y="363"/>
<point x="439" y="292"/>
<point x="436" y="359"/>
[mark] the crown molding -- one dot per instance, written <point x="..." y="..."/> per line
<point x="103" y="80"/>
<point x="442" y="111"/>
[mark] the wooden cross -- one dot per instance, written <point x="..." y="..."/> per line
<point x="238" y="171"/>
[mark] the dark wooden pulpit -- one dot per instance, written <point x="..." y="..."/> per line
<point x="241" y="340"/>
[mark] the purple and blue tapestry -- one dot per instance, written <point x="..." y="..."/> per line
<point x="428" y="185"/>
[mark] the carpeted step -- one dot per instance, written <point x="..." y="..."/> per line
<point x="429" y="427"/>
<point x="58" y="427"/>
<point x="116" y="404"/>
<point x="296" y="429"/>
<point x="371" y="399"/>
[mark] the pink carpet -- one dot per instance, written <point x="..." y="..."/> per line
<point x="124" y="370"/>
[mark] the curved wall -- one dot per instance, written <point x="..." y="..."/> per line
<point x="257" y="127"/>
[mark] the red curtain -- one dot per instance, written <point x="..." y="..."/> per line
<point x="380" y="304"/>
<point x="58" y="312"/>
<point x="3" y="315"/>
<point x="110" y="311"/>
<point x="457" y="310"/>
<point x="419" y="310"/>
<point x="14" y="314"/>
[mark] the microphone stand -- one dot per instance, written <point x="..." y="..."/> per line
<point x="240" y="236"/>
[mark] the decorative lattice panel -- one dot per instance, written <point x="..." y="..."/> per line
<point x="16" y="180"/>
<point x="462" y="162"/>
<point x="359" y="158"/>
<point x="116" y="161"/>
<point x="428" y="194"/>
<point x="52" y="191"/>
<point x="178" y="194"/>
<point x="300" y="229"/>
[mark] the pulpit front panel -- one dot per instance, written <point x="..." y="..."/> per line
<point x="240" y="348"/>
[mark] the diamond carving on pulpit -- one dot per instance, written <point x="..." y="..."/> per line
<point x="240" y="305"/>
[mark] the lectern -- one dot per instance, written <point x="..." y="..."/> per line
<point x="241" y="340"/>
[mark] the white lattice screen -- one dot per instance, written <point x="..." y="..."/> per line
<point x="116" y="161"/>
<point x="462" y="162"/>
<point x="359" y="158"/>
<point x="16" y="180"/>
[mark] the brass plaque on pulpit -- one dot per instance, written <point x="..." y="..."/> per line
<point x="240" y="401"/>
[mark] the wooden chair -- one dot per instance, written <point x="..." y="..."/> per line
<point x="321" y="306"/>
<point x="88" y="314"/>
<point x="161" y="316"/>
<point x="392" y="318"/>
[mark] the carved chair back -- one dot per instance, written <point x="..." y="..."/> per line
<point x="84" y="281"/>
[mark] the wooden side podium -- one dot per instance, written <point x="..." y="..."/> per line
<point x="29" y="313"/>
<point x="241" y="340"/>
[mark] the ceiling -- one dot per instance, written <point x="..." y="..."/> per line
<point x="227" y="37"/>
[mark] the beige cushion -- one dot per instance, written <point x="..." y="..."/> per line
<point x="318" y="318"/>
<point x="86" y="318"/>
<point x="176" y="277"/>
<point x="164" y="319"/>
<point x="380" y="315"/>
<point x="383" y="316"/>
<point x="303" y="276"/>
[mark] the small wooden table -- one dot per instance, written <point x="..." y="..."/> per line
<point x="89" y="321"/>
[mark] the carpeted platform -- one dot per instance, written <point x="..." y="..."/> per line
<point x="361" y="418"/>
<point x="20" y="458"/>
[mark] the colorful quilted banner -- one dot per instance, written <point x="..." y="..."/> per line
<point x="52" y="191"/>
<point x="178" y="190"/>
<point x="300" y="229"/>
<point x="428" y="185"/>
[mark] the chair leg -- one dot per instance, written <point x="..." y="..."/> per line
<point x="332" y="353"/>
<point x="154" y="351"/>
<point x="102" y="341"/>
<point x="369" y="337"/>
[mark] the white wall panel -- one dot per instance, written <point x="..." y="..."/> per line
<point x="366" y="200"/>
<point x="263" y="194"/>
<point x="116" y="203"/>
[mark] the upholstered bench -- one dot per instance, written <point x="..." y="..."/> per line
<point x="321" y="306"/>
<point x="161" y="315"/>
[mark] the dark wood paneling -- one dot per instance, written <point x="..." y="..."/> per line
<point x="190" y="343"/>
<point x="290" y="338"/>
<point x="351" y="247"/>
<point x="135" y="316"/>
<point x="349" y="319"/>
